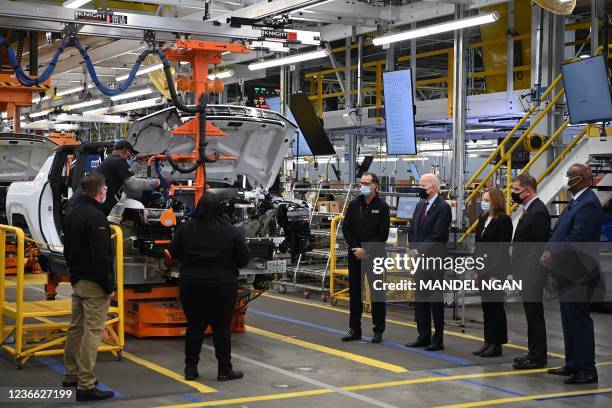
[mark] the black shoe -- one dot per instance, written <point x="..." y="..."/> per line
<point x="191" y="373"/>
<point x="494" y="350"/>
<point x="435" y="347"/>
<point x="70" y="384"/>
<point x="521" y="358"/>
<point x="377" y="338"/>
<point x="564" y="371"/>
<point x="352" y="335"/>
<point x="528" y="365"/>
<point x="229" y="375"/>
<point x="479" y="351"/>
<point x="418" y="343"/>
<point x="582" y="378"/>
<point x="93" y="394"/>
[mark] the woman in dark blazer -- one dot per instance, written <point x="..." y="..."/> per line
<point x="210" y="250"/>
<point x="493" y="236"/>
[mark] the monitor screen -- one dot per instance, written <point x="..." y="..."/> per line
<point x="304" y="150"/>
<point x="399" y="112"/>
<point x="310" y="125"/>
<point x="587" y="90"/>
<point x="406" y="207"/>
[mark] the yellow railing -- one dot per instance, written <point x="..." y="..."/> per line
<point x="33" y="333"/>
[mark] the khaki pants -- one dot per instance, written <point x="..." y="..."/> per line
<point x="89" y="312"/>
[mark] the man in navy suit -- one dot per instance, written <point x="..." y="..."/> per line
<point x="575" y="268"/>
<point x="428" y="235"/>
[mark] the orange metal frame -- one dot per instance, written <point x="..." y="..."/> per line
<point x="13" y="96"/>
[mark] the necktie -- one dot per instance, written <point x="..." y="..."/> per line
<point x="422" y="214"/>
<point x="523" y="212"/>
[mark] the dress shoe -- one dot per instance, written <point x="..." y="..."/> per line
<point x="352" y="335"/>
<point x="377" y="338"/>
<point x="418" y="343"/>
<point x="434" y="347"/>
<point x="564" y="371"/>
<point x="229" y="375"/>
<point x="582" y="378"/>
<point x="528" y="365"/>
<point x="494" y="350"/>
<point x="191" y="373"/>
<point x="93" y="394"/>
<point x="521" y="358"/>
<point x="480" y="350"/>
<point x="70" y="384"/>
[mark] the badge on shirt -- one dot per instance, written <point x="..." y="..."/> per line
<point x="375" y="211"/>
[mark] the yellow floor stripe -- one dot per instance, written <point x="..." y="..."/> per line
<point x="362" y="387"/>
<point x="168" y="373"/>
<point x="328" y="350"/>
<point x="413" y="325"/>
<point x="526" y="398"/>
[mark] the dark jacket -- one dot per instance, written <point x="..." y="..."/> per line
<point x="115" y="170"/>
<point x="573" y="243"/>
<point x="87" y="244"/>
<point x="209" y="254"/>
<point x="530" y="237"/>
<point x="366" y="222"/>
<point x="434" y="233"/>
<point x="493" y="243"/>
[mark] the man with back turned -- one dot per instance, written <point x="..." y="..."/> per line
<point x="367" y="221"/>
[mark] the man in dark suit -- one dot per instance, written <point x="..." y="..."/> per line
<point x="428" y="235"/>
<point x="575" y="267"/>
<point x="532" y="232"/>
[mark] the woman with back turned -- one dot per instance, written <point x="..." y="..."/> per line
<point x="493" y="236"/>
<point x="210" y="251"/>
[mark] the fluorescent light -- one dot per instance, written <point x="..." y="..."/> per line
<point x="82" y="104"/>
<point x="146" y="103"/>
<point x="37" y="98"/>
<point x="288" y="60"/>
<point x="481" y="130"/>
<point x="142" y="71"/>
<point x="91" y="118"/>
<point x="75" y="3"/>
<point x="220" y="75"/>
<point x="40" y="113"/>
<point x="70" y="91"/>
<point x="437" y="28"/>
<point x="312" y="5"/>
<point x="99" y="111"/>
<point x="132" y="94"/>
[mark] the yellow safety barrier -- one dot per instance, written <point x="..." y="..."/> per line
<point x="338" y="289"/>
<point x="31" y="332"/>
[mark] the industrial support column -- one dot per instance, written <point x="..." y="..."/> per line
<point x="352" y="138"/>
<point x="459" y="118"/>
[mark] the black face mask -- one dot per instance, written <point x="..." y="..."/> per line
<point x="516" y="197"/>
<point x="423" y="193"/>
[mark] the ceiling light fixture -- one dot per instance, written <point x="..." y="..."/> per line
<point x="146" y="103"/>
<point x="141" y="72"/>
<point x="437" y="28"/>
<point x="288" y="60"/>
<point x="220" y="75"/>
<point x="40" y="113"/>
<point x="75" y="3"/>
<point x="82" y="104"/>
<point x="132" y="94"/>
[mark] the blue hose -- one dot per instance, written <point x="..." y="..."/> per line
<point x="164" y="184"/>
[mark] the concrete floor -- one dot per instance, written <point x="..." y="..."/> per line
<point x="292" y="356"/>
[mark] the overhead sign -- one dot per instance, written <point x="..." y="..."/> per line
<point x="101" y="16"/>
<point x="399" y="112"/>
<point x="279" y="35"/>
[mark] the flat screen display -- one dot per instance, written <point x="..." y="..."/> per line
<point x="587" y="90"/>
<point x="399" y="112"/>
<point x="310" y="125"/>
<point x="304" y="149"/>
<point x="406" y="207"/>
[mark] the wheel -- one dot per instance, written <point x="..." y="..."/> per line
<point x="281" y="289"/>
<point x="306" y="294"/>
<point x="333" y="301"/>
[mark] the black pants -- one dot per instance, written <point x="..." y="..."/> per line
<point x="207" y="303"/>
<point x="379" y="309"/>
<point x="494" y="316"/>
<point x="429" y="304"/>
<point x="578" y="336"/>
<point x="536" y="331"/>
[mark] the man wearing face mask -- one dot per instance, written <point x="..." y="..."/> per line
<point x="367" y="220"/>
<point x="573" y="256"/>
<point x="530" y="236"/>
<point x="89" y="257"/>
<point x="429" y="234"/>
